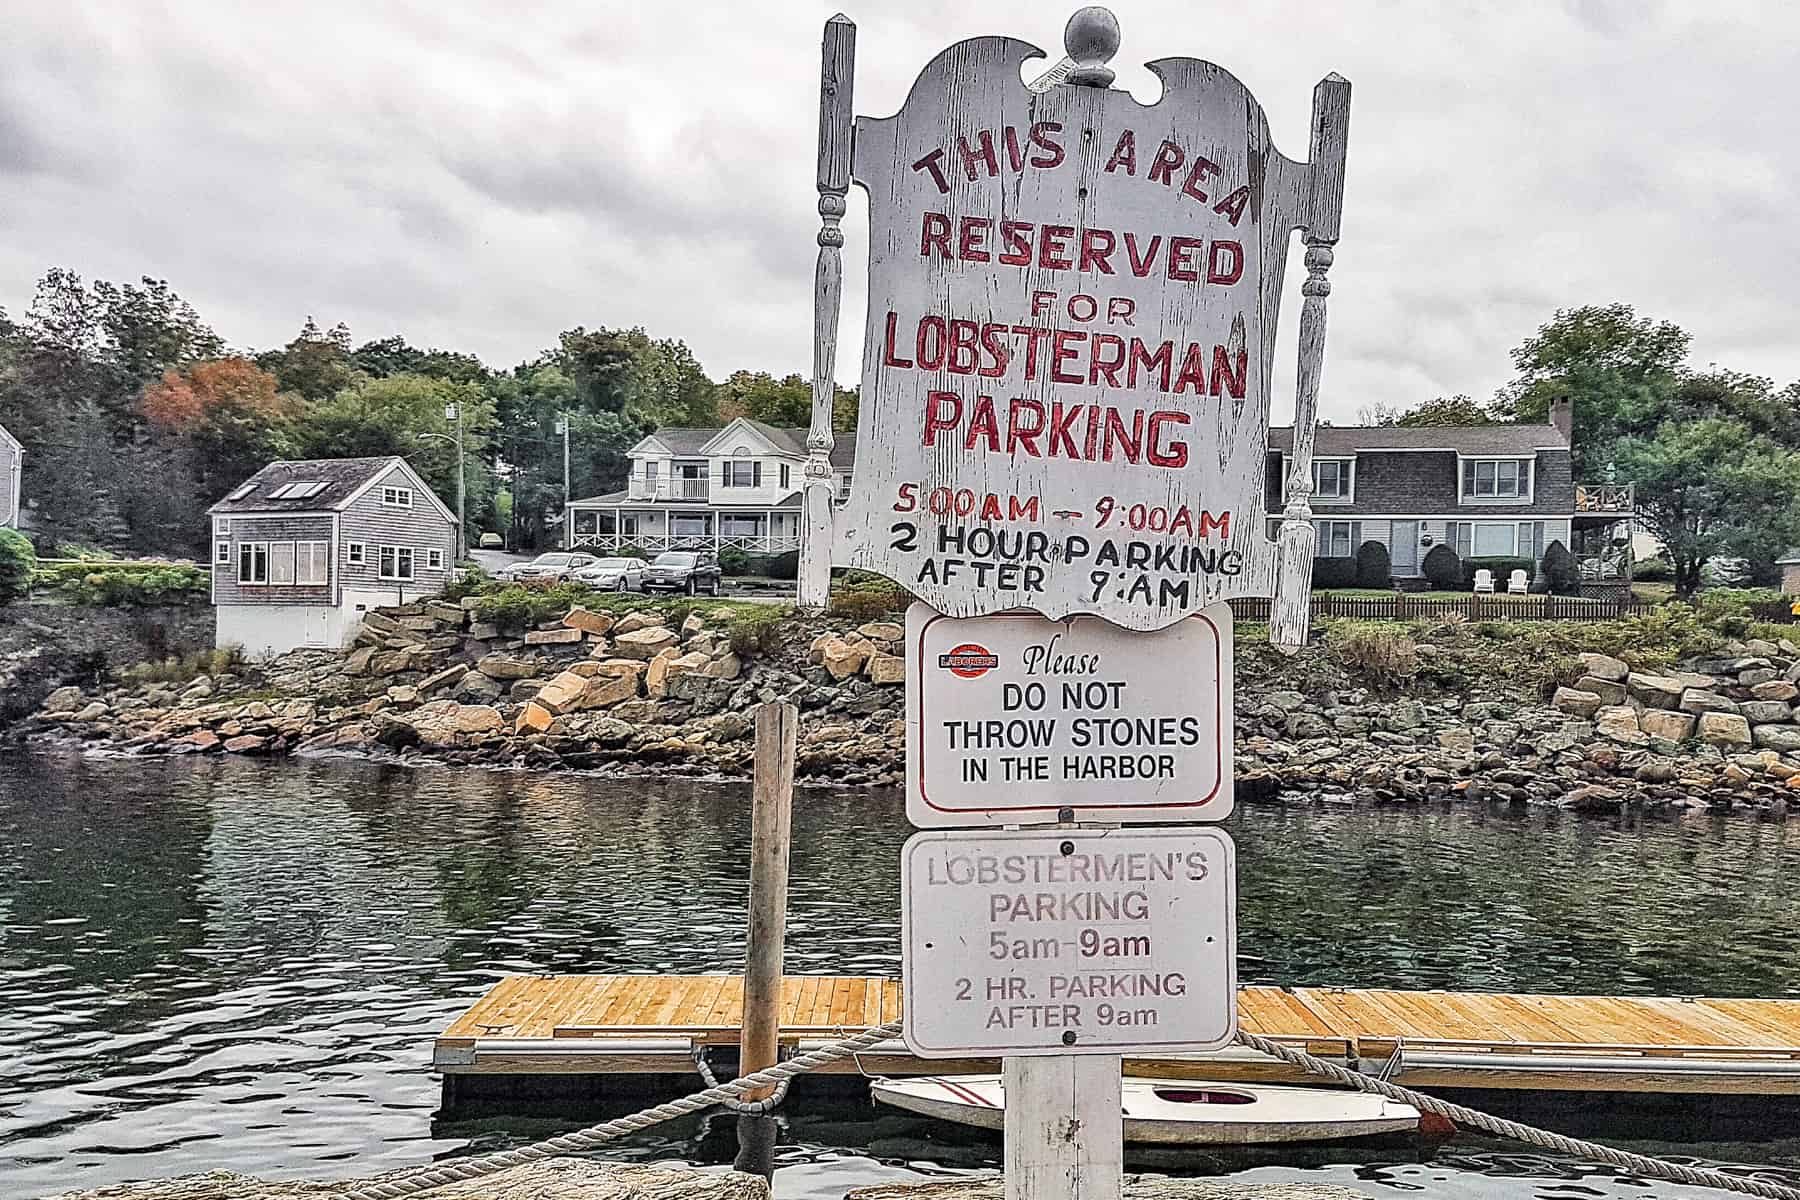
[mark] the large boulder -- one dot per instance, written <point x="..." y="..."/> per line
<point x="1578" y="702"/>
<point x="1654" y="691"/>
<point x="1785" y="738"/>
<point x="499" y="666"/>
<point x="443" y="680"/>
<point x="1694" y="700"/>
<point x="1727" y="730"/>
<point x="446" y="723"/>
<point x="1618" y="722"/>
<point x="888" y="668"/>
<point x="844" y="657"/>
<point x="597" y="623"/>
<point x="1604" y="666"/>
<point x="645" y="642"/>
<point x="1775" y="690"/>
<point x="553" y="637"/>
<point x="631" y="622"/>
<point x="1610" y="691"/>
<point x="1675" y="726"/>
<point x="1765" y="712"/>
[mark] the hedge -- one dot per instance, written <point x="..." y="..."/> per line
<point x="18" y="562"/>
<point x="135" y="583"/>
<point x="1334" y="572"/>
<point x="1444" y="569"/>
<point x="1373" y="567"/>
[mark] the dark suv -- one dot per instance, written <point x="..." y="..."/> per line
<point x="690" y="571"/>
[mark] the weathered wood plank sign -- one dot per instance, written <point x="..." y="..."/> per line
<point x="1073" y="302"/>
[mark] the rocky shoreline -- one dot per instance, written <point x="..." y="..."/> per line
<point x="668" y="691"/>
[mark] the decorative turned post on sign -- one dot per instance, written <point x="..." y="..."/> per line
<point x="1062" y="451"/>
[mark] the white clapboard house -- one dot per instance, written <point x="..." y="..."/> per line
<point x="302" y="549"/>
<point x="708" y="489"/>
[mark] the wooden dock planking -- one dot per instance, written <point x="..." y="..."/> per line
<point x="1733" y="1043"/>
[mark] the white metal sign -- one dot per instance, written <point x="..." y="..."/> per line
<point x="1076" y="941"/>
<point x="1072" y="314"/>
<point x="1019" y="720"/>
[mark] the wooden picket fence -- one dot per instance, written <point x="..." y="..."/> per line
<point x="1402" y="606"/>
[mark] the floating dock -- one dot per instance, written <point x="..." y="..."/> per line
<point x="647" y="1025"/>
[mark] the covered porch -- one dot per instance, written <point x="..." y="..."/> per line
<point x="1600" y="534"/>
<point x="654" y="528"/>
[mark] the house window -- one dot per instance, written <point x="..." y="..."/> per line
<point x="1496" y="479"/>
<point x="1332" y="478"/>
<point x="356" y="554"/>
<point x="222" y="554"/>
<point x="281" y="564"/>
<point x="253" y="562"/>
<point x="740" y="474"/>
<point x="843" y="489"/>
<point x="740" y="525"/>
<point x="397" y="497"/>
<point x="650" y="473"/>
<point x="1336" y="539"/>
<point x="1498" y="539"/>
<point x="784" y="476"/>
<point x="312" y="563"/>
<point x="434" y="560"/>
<point x="396" y="562"/>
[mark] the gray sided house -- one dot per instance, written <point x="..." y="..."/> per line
<point x="12" y="463"/>
<point x="302" y="549"/>
<point x="1486" y="491"/>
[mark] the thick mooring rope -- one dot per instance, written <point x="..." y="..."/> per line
<point x="595" y="1136"/>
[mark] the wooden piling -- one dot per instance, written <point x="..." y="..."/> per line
<point x="1064" y="1127"/>
<point x="772" y="809"/>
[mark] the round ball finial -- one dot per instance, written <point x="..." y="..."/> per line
<point x="1091" y="38"/>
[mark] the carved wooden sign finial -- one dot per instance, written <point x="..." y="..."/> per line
<point x="1090" y="39"/>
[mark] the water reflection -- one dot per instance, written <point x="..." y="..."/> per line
<point x="240" y="964"/>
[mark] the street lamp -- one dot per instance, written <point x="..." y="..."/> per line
<point x="453" y="412"/>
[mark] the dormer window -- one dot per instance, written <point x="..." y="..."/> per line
<point x="1496" y="479"/>
<point x="1333" y="478"/>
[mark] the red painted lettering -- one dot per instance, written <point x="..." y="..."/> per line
<point x="1175" y="454"/>
<point x="1104" y="365"/>
<point x="1181" y="258"/>
<point x="1060" y="421"/>
<point x="1140" y="267"/>
<point x="1193" y="372"/>
<point x="1233" y="205"/>
<point x="997" y="352"/>
<point x="971" y="240"/>
<point x="1053" y="247"/>
<point x="981" y="425"/>
<point x="1223" y="367"/>
<point x="1096" y="248"/>
<point x="1063" y="347"/>
<point x="888" y="357"/>
<point x="1050" y="150"/>
<point x="1130" y="444"/>
<point x="1203" y="167"/>
<point x="1158" y="361"/>
<point x="1168" y="160"/>
<point x="983" y="155"/>
<point x="1016" y="235"/>
<point x="1124" y="154"/>
<point x="934" y="413"/>
<point x="1225" y="263"/>
<point x="928" y="345"/>
<point x="936" y="232"/>
<point x="1020" y="434"/>
<point x="931" y="162"/>
<point x="964" y="357"/>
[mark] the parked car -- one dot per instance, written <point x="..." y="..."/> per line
<point x="559" y="564"/>
<point x="690" y="571"/>
<point x="492" y="541"/>
<point x="618" y="574"/>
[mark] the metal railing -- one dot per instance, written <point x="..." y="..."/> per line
<point x="1605" y="498"/>
<point x="754" y="543"/>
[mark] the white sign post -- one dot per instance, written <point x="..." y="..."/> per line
<point x="1063" y="451"/>
<point x="1018" y="719"/>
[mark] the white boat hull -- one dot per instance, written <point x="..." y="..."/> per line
<point x="1166" y="1112"/>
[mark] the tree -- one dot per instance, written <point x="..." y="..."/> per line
<point x="1378" y="413"/>
<point x="394" y="356"/>
<point x="785" y="403"/>
<point x="1619" y="369"/>
<point x="316" y="365"/>
<point x="225" y="419"/>
<point x="649" y="382"/>
<point x="375" y="418"/>
<point x="1445" y="411"/>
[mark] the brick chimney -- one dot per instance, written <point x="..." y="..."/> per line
<point x="1562" y="415"/>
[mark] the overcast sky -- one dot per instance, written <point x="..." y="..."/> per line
<point x="479" y="176"/>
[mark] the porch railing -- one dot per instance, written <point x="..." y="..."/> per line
<point x="1605" y="498"/>
<point x="667" y="489"/>
<point x="752" y="543"/>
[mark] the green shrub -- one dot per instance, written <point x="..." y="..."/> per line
<point x="18" y="563"/>
<point x="1653" y="570"/>
<point x="1381" y="652"/>
<point x="784" y="566"/>
<point x="135" y="583"/>
<point x="1444" y="569"/>
<point x="755" y="633"/>
<point x="188" y="667"/>
<point x="1373" y="567"/>
<point x="733" y="561"/>
<point x="1334" y="572"/>
<point x="868" y="601"/>
<point x="520" y="606"/>
<point x="1501" y="566"/>
<point x="1561" y="569"/>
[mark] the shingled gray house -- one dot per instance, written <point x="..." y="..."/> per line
<point x="12" y="462"/>
<point x="1487" y="491"/>
<point x="302" y="549"/>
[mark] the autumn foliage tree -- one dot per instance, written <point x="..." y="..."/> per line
<point x="227" y="418"/>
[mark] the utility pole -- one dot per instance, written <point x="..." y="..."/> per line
<point x="454" y="411"/>
<point x="562" y="427"/>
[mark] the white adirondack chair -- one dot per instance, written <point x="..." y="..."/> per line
<point x="1484" y="581"/>
<point x="1517" y="584"/>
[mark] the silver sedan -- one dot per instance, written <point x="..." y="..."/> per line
<point x="614" y="574"/>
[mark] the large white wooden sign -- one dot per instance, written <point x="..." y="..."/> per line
<point x="1072" y="313"/>
<point x="1077" y="941"/>
<point x="1019" y="720"/>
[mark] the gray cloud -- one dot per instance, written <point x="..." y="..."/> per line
<point x="481" y="176"/>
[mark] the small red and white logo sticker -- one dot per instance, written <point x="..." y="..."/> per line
<point x="971" y="660"/>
